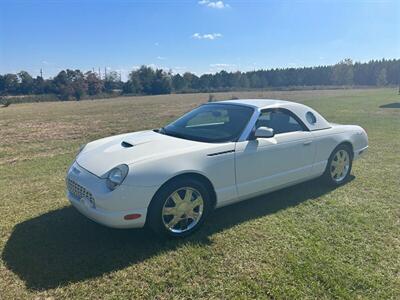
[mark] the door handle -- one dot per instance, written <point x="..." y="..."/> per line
<point x="306" y="143"/>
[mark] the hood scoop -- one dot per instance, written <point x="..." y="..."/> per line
<point x="126" y="144"/>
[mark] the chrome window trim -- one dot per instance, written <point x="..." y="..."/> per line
<point x="247" y="131"/>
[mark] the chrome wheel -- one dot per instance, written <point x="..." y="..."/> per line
<point x="182" y="210"/>
<point x="340" y="165"/>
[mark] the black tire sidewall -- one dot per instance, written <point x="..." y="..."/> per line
<point x="154" y="216"/>
<point x="327" y="176"/>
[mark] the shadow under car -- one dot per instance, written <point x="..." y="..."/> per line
<point x="62" y="246"/>
<point x="391" y="105"/>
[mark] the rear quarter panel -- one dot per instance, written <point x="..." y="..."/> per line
<point x="328" y="139"/>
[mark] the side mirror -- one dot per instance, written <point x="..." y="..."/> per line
<point x="264" y="132"/>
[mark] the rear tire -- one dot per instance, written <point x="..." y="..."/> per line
<point x="339" y="165"/>
<point x="179" y="208"/>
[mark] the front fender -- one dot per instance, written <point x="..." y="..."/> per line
<point x="219" y="170"/>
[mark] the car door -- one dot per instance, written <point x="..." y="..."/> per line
<point x="265" y="164"/>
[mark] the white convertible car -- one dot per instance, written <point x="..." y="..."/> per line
<point x="217" y="154"/>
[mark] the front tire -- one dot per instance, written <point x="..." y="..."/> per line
<point x="179" y="208"/>
<point x="339" y="165"/>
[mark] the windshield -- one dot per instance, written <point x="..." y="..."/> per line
<point x="211" y="123"/>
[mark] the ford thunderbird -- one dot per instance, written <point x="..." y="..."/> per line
<point x="171" y="178"/>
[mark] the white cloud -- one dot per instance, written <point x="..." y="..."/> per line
<point x="153" y="66"/>
<point x="197" y="36"/>
<point x="214" y="4"/>
<point x="222" y="65"/>
<point x="206" y="36"/>
<point x="48" y="63"/>
<point x="178" y="69"/>
<point x="123" y="73"/>
<point x="160" y="57"/>
<point x="157" y="66"/>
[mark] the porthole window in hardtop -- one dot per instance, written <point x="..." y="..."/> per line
<point x="311" y="118"/>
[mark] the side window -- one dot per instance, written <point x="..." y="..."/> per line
<point x="209" y="118"/>
<point x="264" y="119"/>
<point x="280" y="121"/>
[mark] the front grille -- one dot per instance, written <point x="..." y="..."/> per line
<point x="79" y="191"/>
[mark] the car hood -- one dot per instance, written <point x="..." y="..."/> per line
<point x="101" y="156"/>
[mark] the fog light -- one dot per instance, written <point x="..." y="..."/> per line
<point x="132" y="216"/>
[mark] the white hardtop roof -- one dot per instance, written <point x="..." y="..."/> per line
<point x="258" y="103"/>
<point x="297" y="108"/>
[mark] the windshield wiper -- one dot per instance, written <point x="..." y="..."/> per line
<point x="160" y="130"/>
<point x="164" y="131"/>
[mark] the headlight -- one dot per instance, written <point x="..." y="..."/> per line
<point x="116" y="176"/>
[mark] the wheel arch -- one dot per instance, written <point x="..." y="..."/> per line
<point x="193" y="175"/>
<point x="326" y="175"/>
<point x="347" y="143"/>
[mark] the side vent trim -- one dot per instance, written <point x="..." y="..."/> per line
<point x="219" y="153"/>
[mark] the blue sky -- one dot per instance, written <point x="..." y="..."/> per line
<point x="199" y="36"/>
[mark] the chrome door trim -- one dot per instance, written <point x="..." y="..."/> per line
<point x="247" y="131"/>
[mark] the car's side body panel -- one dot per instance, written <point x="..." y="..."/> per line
<point x="216" y="164"/>
<point x="327" y="140"/>
<point x="265" y="163"/>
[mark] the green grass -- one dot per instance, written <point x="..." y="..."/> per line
<point x="306" y="241"/>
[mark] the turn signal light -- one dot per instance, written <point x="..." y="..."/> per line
<point x="132" y="216"/>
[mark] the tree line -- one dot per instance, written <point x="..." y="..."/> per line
<point x="74" y="84"/>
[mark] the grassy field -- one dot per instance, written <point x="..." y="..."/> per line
<point x="303" y="242"/>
